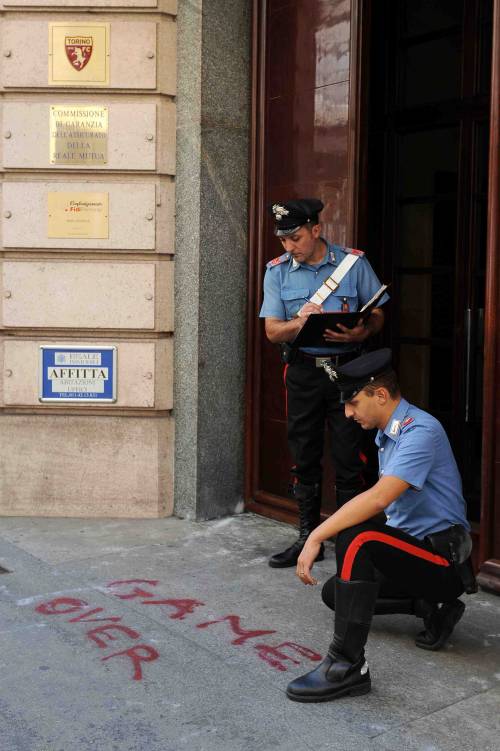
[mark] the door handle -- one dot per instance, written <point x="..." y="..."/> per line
<point x="474" y="332"/>
<point x="468" y="363"/>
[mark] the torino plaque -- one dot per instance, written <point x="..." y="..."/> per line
<point x="80" y="215"/>
<point x="77" y="373"/>
<point x="79" y="54"/>
<point x="78" y="134"/>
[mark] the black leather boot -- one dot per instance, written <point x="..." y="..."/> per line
<point x="439" y="624"/>
<point x="309" y="517"/>
<point x="344" y="670"/>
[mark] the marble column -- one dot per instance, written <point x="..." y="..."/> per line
<point x="213" y="109"/>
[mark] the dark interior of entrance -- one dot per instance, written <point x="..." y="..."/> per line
<point x="427" y="86"/>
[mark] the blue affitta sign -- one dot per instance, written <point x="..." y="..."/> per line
<point x="77" y="373"/>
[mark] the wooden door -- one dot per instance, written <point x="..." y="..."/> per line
<point x="489" y="550"/>
<point x="301" y="147"/>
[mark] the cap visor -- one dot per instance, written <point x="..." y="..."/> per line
<point x="346" y="396"/>
<point x="279" y="232"/>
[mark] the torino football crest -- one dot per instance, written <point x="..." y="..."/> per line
<point x="78" y="50"/>
<point x="78" y="54"/>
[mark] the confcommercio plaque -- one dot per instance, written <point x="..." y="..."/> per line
<point x="77" y="373"/>
<point x="78" y="215"/>
<point x="78" y="134"/>
<point x="79" y="54"/>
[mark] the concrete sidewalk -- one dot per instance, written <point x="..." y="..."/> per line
<point x="164" y="635"/>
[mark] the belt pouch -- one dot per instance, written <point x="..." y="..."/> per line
<point x="455" y="544"/>
<point x="288" y="353"/>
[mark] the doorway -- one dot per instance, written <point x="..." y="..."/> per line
<point x="425" y="204"/>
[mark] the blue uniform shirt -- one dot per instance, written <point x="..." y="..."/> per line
<point x="415" y="448"/>
<point x="288" y="285"/>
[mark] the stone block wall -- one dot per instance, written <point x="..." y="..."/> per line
<point x="103" y="277"/>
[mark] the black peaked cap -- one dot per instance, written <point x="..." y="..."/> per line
<point x="291" y="215"/>
<point x="358" y="373"/>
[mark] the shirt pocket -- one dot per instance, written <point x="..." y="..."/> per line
<point x="294" y="299"/>
<point x="346" y="290"/>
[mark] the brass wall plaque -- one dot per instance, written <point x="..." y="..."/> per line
<point x="78" y="134"/>
<point x="79" y="54"/>
<point x="82" y="215"/>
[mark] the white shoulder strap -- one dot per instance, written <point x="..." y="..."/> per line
<point x="333" y="281"/>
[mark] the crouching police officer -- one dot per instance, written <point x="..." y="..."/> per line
<point x="315" y="276"/>
<point x="419" y="561"/>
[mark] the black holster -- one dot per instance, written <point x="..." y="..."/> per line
<point x="455" y="544"/>
<point x="288" y="353"/>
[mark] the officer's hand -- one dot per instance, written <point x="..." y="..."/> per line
<point x="358" y="334"/>
<point x="305" y="562"/>
<point x="308" y="308"/>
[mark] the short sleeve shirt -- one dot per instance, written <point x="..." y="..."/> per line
<point x="288" y="285"/>
<point x="415" y="448"/>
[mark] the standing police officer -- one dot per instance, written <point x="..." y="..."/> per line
<point x="337" y="279"/>
<point x="424" y="548"/>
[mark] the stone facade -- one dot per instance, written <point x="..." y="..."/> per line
<point x="115" y="286"/>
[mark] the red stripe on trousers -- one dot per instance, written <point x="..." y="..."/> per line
<point x="363" y="537"/>
<point x="286" y="390"/>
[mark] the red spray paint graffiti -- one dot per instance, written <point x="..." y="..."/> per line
<point x="176" y="609"/>
<point x="70" y="605"/>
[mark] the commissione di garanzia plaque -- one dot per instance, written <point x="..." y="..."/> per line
<point x="79" y="54"/>
<point x="78" y="134"/>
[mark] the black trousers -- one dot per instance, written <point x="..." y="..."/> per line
<point x="405" y="565"/>
<point x="312" y="400"/>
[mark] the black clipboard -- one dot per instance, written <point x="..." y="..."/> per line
<point x="311" y="334"/>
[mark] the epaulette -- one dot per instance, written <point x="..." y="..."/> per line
<point x="278" y="260"/>
<point x="397" y="426"/>
<point x="354" y="251"/>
